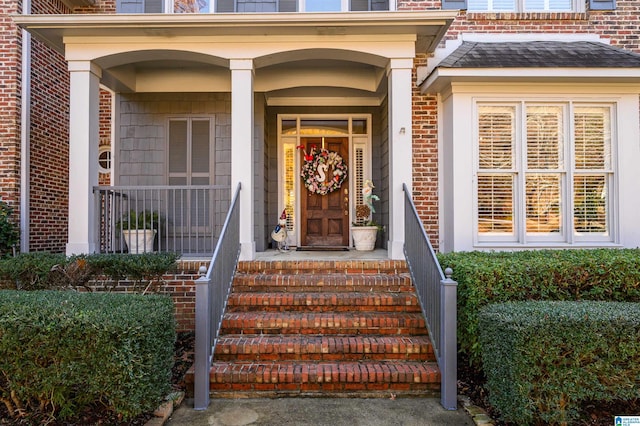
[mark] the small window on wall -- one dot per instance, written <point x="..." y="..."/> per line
<point x="104" y="159"/>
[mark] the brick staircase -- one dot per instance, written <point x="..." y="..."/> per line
<point x="323" y="328"/>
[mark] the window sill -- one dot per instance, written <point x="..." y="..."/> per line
<point x="527" y="16"/>
<point x="540" y="245"/>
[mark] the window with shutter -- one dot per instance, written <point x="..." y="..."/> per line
<point x="244" y="6"/>
<point x="519" y="5"/>
<point x="544" y="171"/>
<point x="593" y="170"/>
<point x="496" y="172"/>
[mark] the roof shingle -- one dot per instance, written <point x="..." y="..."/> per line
<point x="574" y="54"/>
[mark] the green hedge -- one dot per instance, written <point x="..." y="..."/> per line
<point x="491" y="277"/>
<point x="63" y="351"/>
<point x="542" y="359"/>
<point x="41" y="271"/>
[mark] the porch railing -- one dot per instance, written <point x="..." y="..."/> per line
<point x="437" y="294"/>
<point x="212" y="293"/>
<point x="186" y="219"/>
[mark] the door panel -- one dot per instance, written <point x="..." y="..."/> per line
<point x="325" y="218"/>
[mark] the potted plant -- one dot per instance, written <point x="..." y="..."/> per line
<point x="139" y="229"/>
<point x="364" y="231"/>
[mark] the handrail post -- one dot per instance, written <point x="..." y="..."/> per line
<point x="449" y="346"/>
<point x="202" y="345"/>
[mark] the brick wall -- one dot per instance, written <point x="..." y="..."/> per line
<point x="49" y="138"/>
<point x="105" y="130"/>
<point x="621" y="26"/>
<point x="180" y="285"/>
<point x="10" y="92"/>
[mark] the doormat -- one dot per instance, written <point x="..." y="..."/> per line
<point x="321" y="248"/>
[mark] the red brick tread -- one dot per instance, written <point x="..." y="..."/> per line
<point x="333" y="282"/>
<point x="322" y="323"/>
<point x="318" y="348"/>
<point x="334" y="301"/>
<point x="324" y="266"/>
<point x="362" y="373"/>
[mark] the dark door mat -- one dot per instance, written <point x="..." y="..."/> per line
<point x="321" y="248"/>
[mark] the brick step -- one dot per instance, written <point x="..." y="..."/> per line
<point x="324" y="266"/>
<point x="327" y="282"/>
<point x="301" y="378"/>
<point x="342" y="323"/>
<point x="314" y="302"/>
<point x="323" y="348"/>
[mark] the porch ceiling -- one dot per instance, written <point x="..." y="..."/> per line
<point x="427" y="27"/>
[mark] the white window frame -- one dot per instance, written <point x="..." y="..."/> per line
<point x="168" y="6"/>
<point x="577" y="6"/>
<point x="567" y="234"/>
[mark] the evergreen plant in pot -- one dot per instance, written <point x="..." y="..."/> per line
<point x="364" y="231"/>
<point x="139" y="229"/>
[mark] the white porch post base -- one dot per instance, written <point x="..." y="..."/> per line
<point x="395" y="250"/>
<point x="80" y="248"/>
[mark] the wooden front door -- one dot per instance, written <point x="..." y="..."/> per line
<point x="325" y="218"/>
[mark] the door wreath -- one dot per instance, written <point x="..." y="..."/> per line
<point x="323" y="171"/>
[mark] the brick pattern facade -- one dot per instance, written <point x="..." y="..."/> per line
<point x="105" y="130"/>
<point x="10" y="94"/>
<point x="621" y="26"/>
<point x="49" y="121"/>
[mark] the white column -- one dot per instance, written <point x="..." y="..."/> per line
<point x="242" y="149"/>
<point x="83" y="155"/>
<point x="400" y="149"/>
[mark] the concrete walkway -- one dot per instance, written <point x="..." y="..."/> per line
<point x="321" y="412"/>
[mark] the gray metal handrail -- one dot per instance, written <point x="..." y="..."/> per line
<point x="212" y="293"/>
<point x="437" y="294"/>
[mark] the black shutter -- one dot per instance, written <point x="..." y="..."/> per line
<point x="225" y="6"/>
<point x="602" y="4"/>
<point x="288" y="6"/>
<point x="454" y="4"/>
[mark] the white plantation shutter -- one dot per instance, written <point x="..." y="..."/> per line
<point x="358" y="176"/>
<point x="496" y="131"/>
<point x="496" y="173"/>
<point x="544" y="138"/>
<point x="496" y="204"/>
<point x="290" y="184"/>
<point x="545" y="172"/>
<point x="543" y="201"/>
<point x="593" y="171"/>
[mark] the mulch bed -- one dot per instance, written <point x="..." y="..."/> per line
<point x="98" y="415"/>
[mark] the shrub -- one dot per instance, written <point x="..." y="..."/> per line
<point x="9" y="234"/>
<point x="30" y="271"/>
<point x="38" y="271"/>
<point x="542" y="359"/>
<point x="63" y="351"/>
<point x="484" y="278"/>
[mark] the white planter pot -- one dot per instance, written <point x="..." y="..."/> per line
<point x="364" y="237"/>
<point x="139" y="240"/>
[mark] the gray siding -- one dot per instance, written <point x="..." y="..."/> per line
<point x="141" y="149"/>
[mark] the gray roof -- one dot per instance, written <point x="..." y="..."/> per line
<point x="556" y="54"/>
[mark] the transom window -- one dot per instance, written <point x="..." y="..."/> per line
<point x="522" y="5"/>
<point x="544" y="172"/>
<point x="244" y="6"/>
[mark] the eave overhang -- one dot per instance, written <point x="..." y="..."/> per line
<point x="442" y="77"/>
<point x="428" y="27"/>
